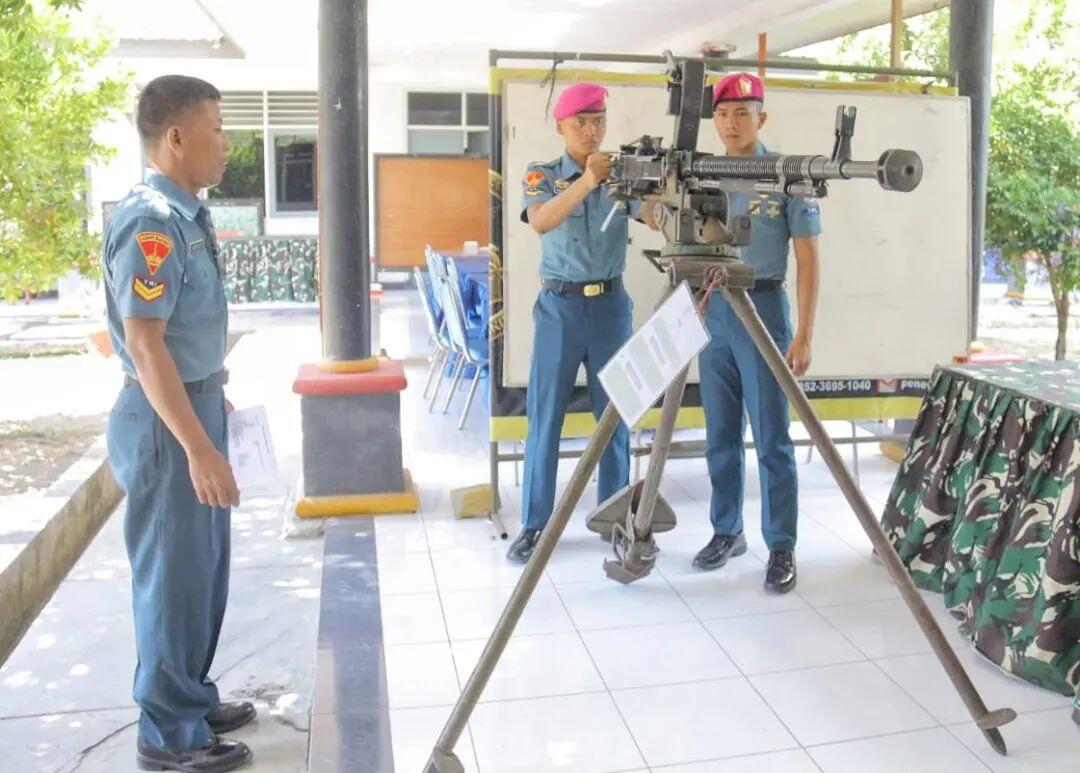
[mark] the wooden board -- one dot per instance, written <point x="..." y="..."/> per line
<point x="420" y="200"/>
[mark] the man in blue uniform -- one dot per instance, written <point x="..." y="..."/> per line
<point x="583" y="313"/>
<point x="167" y="433"/>
<point x="734" y="376"/>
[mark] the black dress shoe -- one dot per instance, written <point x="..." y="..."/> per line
<point x="219" y="756"/>
<point x="780" y="573"/>
<point x="720" y="548"/>
<point x="230" y="716"/>
<point x="522" y="547"/>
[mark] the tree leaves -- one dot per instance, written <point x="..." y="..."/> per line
<point x="49" y="108"/>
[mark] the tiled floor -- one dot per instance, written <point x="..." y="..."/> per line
<point x="684" y="672"/>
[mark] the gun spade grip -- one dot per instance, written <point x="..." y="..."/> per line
<point x="899" y="170"/>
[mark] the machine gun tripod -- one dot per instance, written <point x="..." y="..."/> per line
<point x="689" y="193"/>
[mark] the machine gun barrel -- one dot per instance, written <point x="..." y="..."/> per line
<point x="895" y="170"/>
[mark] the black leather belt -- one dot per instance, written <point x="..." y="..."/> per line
<point x="588" y="289"/>
<point x="219" y="379"/>
<point x="768" y="285"/>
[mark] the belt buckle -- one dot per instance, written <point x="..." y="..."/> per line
<point x="592" y="290"/>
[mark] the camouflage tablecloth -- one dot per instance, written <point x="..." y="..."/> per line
<point x="986" y="510"/>
<point x="269" y="268"/>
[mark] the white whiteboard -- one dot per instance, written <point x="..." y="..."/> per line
<point x="895" y="267"/>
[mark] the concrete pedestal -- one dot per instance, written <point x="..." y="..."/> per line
<point x="352" y="442"/>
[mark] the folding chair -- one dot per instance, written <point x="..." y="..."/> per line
<point x="436" y="330"/>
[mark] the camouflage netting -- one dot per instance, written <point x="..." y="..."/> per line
<point x="986" y="510"/>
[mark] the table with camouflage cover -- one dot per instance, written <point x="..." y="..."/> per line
<point x="269" y="268"/>
<point x="986" y="510"/>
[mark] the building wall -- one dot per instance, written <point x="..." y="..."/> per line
<point x="387" y="133"/>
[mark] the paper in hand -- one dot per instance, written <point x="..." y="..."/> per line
<point x="251" y="450"/>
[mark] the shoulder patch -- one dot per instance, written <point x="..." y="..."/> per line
<point x="156" y="248"/>
<point x="534" y="177"/>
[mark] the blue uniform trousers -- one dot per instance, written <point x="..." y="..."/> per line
<point x="179" y="554"/>
<point x="734" y="375"/>
<point x="569" y="330"/>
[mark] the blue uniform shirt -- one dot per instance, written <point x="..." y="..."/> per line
<point x="159" y="258"/>
<point x="774" y="221"/>
<point x="577" y="250"/>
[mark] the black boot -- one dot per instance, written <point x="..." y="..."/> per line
<point x="219" y="756"/>
<point x="230" y="716"/>
<point x="780" y="574"/>
<point x="720" y="548"/>
<point x="522" y="547"/>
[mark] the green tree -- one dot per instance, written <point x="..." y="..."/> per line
<point x="925" y="44"/>
<point x="1033" y="202"/>
<point x="244" y="178"/>
<point x="49" y="107"/>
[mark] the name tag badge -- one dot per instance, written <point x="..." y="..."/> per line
<point x="197" y="245"/>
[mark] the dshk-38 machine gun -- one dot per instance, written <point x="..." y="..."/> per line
<point x="689" y="195"/>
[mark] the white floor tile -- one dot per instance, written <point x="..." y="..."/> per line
<point x="840" y="703"/>
<point x="925" y="751"/>
<point x="815" y="543"/>
<point x="782" y="642"/>
<point x="579" y="557"/>
<point x="830" y="583"/>
<point x="608" y="604"/>
<point x="1044" y="742"/>
<point x="733" y="591"/>
<point x="702" y="721"/>
<point x="925" y="680"/>
<point x="579" y="733"/>
<point x="470" y="569"/>
<point x="533" y="667"/>
<point x="793" y="761"/>
<point x="472" y="614"/>
<point x="414" y="732"/>
<point x="412" y="619"/>
<point x="400" y="534"/>
<point x="420" y="675"/>
<point x="882" y="629"/>
<point x="657" y="654"/>
<point x="458" y="534"/>
<point x="402" y="572"/>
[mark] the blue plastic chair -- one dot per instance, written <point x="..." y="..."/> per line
<point x="436" y="329"/>
<point x="469" y="350"/>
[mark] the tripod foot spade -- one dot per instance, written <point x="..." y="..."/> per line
<point x="634" y="558"/>
<point x="994" y="719"/>
<point x="615" y="508"/>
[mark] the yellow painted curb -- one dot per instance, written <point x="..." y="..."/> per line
<point x="393" y="502"/>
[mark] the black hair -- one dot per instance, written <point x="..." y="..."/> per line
<point x="163" y="99"/>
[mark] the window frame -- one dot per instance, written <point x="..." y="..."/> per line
<point x="464" y="127"/>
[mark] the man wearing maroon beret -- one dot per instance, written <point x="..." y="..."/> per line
<point x="735" y="381"/>
<point x="583" y="313"/>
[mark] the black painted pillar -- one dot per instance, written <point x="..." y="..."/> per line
<point x="971" y="32"/>
<point x="344" y="269"/>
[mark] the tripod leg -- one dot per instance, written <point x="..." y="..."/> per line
<point x="442" y="757"/>
<point x="669" y="412"/>
<point x="987" y="721"/>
